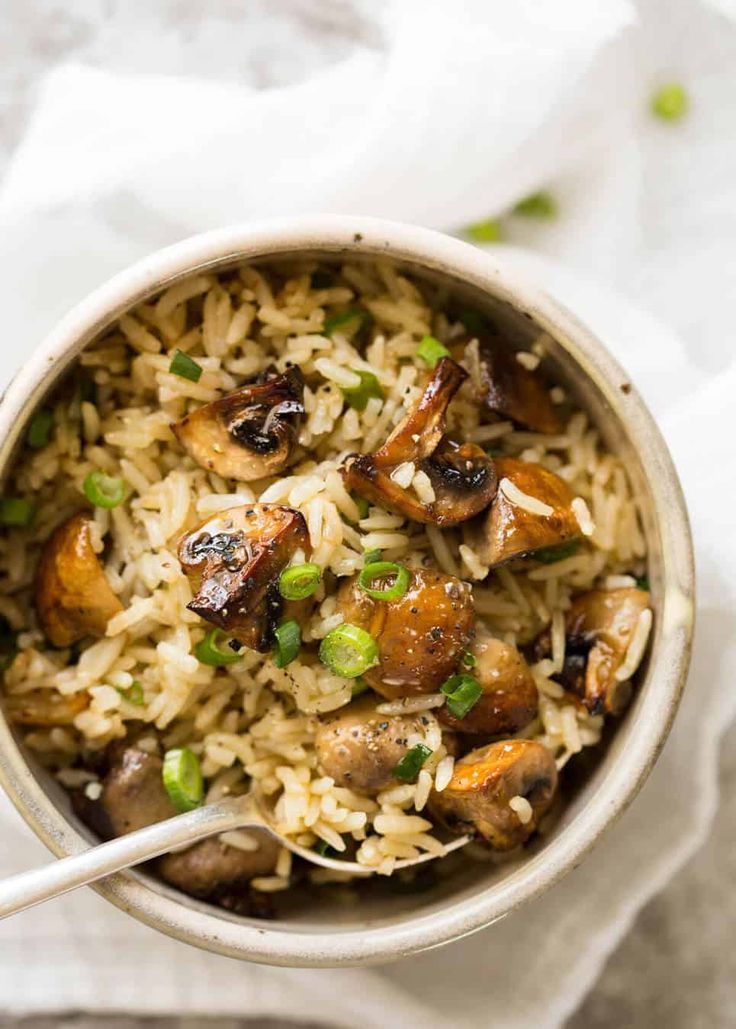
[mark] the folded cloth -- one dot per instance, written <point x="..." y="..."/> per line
<point x="465" y="108"/>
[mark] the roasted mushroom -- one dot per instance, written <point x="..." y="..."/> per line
<point x="73" y="597"/>
<point x="531" y="510"/>
<point x="249" y="433"/>
<point x="233" y="562"/>
<point x="133" y="793"/>
<point x="420" y="635"/>
<point x="360" y="748"/>
<point x="599" y="627"/>
<point x="462" y="476"/>
<point x="509" y="390"/>
<point x="212" y="866"/>
<point x="486" y="781"/>
<point x="509" y="700"/>
<point x="45" y="707"/>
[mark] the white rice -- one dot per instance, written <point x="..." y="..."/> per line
<point x="523" y="500"/>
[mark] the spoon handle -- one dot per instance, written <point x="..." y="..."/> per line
<point x="28" y="888"/>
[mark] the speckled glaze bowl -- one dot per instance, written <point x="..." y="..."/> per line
<point x="385" y="927"/>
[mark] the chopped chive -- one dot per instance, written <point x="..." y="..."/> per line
<point x="642" y="583"/>
<point x="371" y="557"/>
<point x="468" y="660"/>
<point x="133" y="694"/>
<point x="104" y="490"/>
<point x="411" y="763"/>
<point x="430" y="350"/>
<point x="362" y="504"/>
<point x="182" y="776"/>
<point x="358" y="396"/>
<point x="474" y="321"/>
<point x="16" y="511"/>
<point x="380" y="572"/>
<point x="299" y="581"/>
<point x="323" y="848"/>
<point x="337" y="320"/>
<point x="359" y="687"/>
<point x="548" y="555"/>
<point x="670" y="102"/>
<point x="463" y="692"/>
<point x="39" y="431"/>
<point x="185" y="367"/>
<point x="287" y="642"/>
<point x="348" y="651"/>
<point x="209" y="651"/>
<point x="321" y="279"/>
<point x="537" y="205"/>
<point x="486" y="231"/>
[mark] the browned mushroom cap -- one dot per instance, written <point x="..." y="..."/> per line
<point x="133" y="793"/>
<point x="510" y="529"/>
<point x="45" y="707"/>
<point x="211" y="865"/>
<point x="510" y="390"/>
<point x="360" y="748"/>
<point x="598" y="628"/>
<point x="509" y="700"/>
<point x="486" y="780"/>
<point x="72" y="594"/>
<point x="233" y="562"/>
<point x="462" y="475"/>
<point x="249" y="433"/>
<point x="420" y="636"/>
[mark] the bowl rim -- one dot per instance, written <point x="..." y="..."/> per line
<point x="198" y="924"/>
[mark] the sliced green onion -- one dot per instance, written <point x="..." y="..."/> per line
<point x="430" y="350"/>
<point x="299" y="581"/>
<point x="468" y="660"/>
<point x="348" y="650"/>
<point x="287" y="642"/>
<point x="670" y="102"/>
<point x="133" y="694"/>
<point x="182" y="777"/>
<point x="358" y="396"/>
<point x="103" y="490"/>
<point x="343" y="319"/>
<point x="486" y="231"/>
<point x="411" y="763"/>
<point x="381" y="570"/>
<point x="371" y="557"/>
<point x="209" y="651"/>
<point x="323" y="848"/>
<point x="463" y="692"/>
<point x="185" y="367"/>
<point x="494" y="451"/>
<point x="537" y="205"/>
<point x="362" y="504"/>
<point x="16" y="511"/>
<point x="321" y="279"/>
<point x="642" y="583"/>
<point x="359" y="687"/>
<point x="548" y="555"/>
<point x="39" y="431"/>
<point x="474" y="321"/>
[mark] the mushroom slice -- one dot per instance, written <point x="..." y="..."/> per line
<point x="249" y="433"/>
<point x="479" y="796"/>
<point x="510" y="390"/>
<point x="420" y="635"/>
<point x="531" y="510"/>
<point x="73" y="597"/>
<point x="211" y="865"/>
<point x="599" y="627"/>
<point x="509" y="701"/>
<point x="45" y="707"/>
<point x="233" y="562"/>
<point x="462" y="476"/>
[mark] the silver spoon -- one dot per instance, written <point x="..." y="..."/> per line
<point x="28" y="888"/>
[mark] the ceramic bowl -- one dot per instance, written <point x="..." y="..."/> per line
<point x="382" y="928"/>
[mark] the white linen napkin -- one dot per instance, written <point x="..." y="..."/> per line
<point x="465" y="108"/>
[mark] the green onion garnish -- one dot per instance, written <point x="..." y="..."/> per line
<point x="133" y="694"/>
<point x="642" y="583"/>
<point x="182" y="777"/>
<point x="538" y="205"/>
<point x="359" y="686"/>
<point x="209" y="651"/>
<point x="548" y="555"/>
<point x="39" y="431"/>
<point x="430" y="350"/>
<point x="323" y="848"/>
<point x="411" y="763"/>
<point x="287" y="641"/>
<point x="299" y="581"/>
<point x="371" y="557"/>
<point x="185" y="367"/>
<point x="486" y="231"/>
<point x="343" y="319"/>
<point x="670" y="102"/>
<point x="468" y="660"/>
<point x="103" y="490"/>
<point x="358" y="396"/>
<point x="362" y="504"/>
<point x="474" y="321"/>
<point x="321" y="279"/>
<point x="348" y="650"/>
<point x="16" y="511"/>
<point x="378" y="571"/>
<point x="463" y="692"/>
